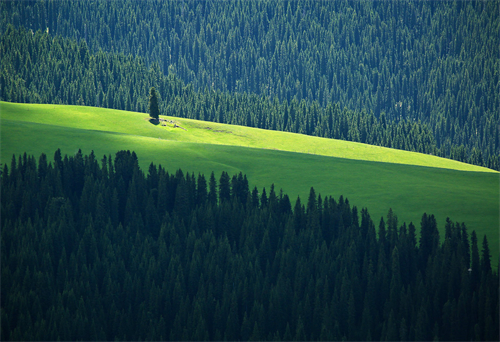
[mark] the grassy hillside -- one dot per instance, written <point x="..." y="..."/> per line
<point x="116" y="121"/>
<point x="375" y="177"/>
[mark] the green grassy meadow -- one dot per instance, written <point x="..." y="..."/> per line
<point x="374" y="177"/>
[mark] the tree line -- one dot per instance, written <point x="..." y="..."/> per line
<point x="39" y="68"/>
<point x="431" y="61"/>
<point x="101" y="250"/>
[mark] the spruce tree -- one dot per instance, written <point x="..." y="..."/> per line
<point x="154" y="110"/>
<point x="475" y="263"/>
<point x="486" y="257"/>
<point x="224" y="188"/>
<point x="212" y="194"/>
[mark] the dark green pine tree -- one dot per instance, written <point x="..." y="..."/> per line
<point x="224" y="187"/>
<point x="154" y="109"/>
<point x="429" y="238"/>
<point x="212" y="192"/>
<point x="475" y="263"/>
<point x="263" y="198"/>
<point x="485" y="257"/>
<point x="255" y="197"/>
<point x="201" y="190"/>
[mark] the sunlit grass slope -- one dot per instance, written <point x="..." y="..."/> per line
<point x="108" y="120"/>
<point x="375" y="177"/>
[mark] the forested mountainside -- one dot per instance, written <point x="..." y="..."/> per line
<point x="99" y="250"/>
<point x="430" y="61"/>
<point x="44" y="69"/>
<point x="418" y="59"/>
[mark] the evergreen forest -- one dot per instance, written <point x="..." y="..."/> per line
<point x="96" y="248"/>
<point x="101" y="250"/>
<point x="414" y="75"/>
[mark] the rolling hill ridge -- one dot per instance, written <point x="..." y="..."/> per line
<point x="375" y="177"/>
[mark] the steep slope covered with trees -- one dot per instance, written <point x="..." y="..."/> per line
<point x="436" y="62"/>
<point x="38" y="68"/>
<point x="99" y="250"/>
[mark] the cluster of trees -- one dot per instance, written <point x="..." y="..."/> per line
<point x="39" y="68"/>
<point x="431" y="61"/>
<point x="99" y="250"/>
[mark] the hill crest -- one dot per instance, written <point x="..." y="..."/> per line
<point x="197" y="131"/>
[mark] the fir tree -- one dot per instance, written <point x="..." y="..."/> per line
<point x="154" y="110"/>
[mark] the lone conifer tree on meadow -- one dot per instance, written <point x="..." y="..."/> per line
<point x="154" y="111"/>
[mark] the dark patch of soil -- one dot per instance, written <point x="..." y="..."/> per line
<point x="154" y="121"/>
<point x="218" y="130"/>
<point x="177" y="126"/>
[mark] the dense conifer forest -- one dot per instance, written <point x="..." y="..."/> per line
<point x="414" y="75"/>
<point x="101" y="250"/>
<point x="98" y="249"/>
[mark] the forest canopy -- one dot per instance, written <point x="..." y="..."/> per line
<point x="101" y="250"/>
<point x="98" y="249"/>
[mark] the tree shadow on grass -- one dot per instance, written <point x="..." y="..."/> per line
<point x="154" y="121"/>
